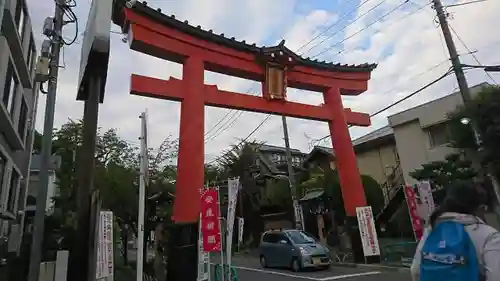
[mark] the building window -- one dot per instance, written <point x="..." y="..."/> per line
<point x="3" y="164"/>
<point x="31" y="54"/>
<point x="439" y="134"/>
<point x="20" y="19"/>
<point x="10" y="90"/>
<point x="275" y="157"/>
<point x="23" y="117"/>
<point x="14" y="182"/>
<point x="282" y="158"/>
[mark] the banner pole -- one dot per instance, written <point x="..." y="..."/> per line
<point x="221" y="218"/>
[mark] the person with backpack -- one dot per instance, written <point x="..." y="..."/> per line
<point x="457" y="245"/>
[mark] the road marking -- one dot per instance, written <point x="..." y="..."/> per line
<point x="308" y="277"/>
<point x="276" y="273"/>
<point x="349" y="275"/>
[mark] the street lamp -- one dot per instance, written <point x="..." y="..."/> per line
<point x="465" y="120"/>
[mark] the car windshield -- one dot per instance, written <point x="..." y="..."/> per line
<point x="300" y="237"/>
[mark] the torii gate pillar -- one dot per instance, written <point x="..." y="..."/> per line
<point x="277" y="68"/>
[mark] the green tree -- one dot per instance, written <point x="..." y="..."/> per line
<point x="328" y="180"/>
<point x="445" y="173"/>
<point x="260" y="189"/>
<point x="240" y="162"/>
<point x="116" y="178"/>
<point x="484" y="111"/>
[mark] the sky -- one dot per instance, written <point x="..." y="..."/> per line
<point x="402" y="37"/>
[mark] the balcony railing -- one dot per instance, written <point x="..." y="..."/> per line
<point x="394" y="182"/>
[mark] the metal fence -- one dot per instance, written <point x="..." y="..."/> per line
<point x="399" y="253"/>
<point x="147" y="277"/>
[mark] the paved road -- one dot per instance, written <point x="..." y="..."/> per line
<point x="249" y="270"/>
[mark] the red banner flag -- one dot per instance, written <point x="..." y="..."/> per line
<point x="411" y="200"/>
<point x="210" y="228"/>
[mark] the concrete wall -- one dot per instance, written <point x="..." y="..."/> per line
<point x="378" y="162"/>
<point x="19" y="49"/>
<point x="411" y="132"/>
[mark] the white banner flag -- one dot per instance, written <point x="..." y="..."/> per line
<point x="367" y="231"/>
<point x="426" y="198"/>
<point x="105" y="256"/>
<point x="232" y="196"/>
<point x="241" y="223"/>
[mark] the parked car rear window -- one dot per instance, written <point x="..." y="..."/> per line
<point x="272" y="237"/>
<point x="300" y="237"/>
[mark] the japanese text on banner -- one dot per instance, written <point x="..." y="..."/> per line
<point x="368" y="231"/>
<point x="427" y="199"/>
<point x="411" y="199"/>
<point x="210" y="228"/>
<point x="105" y="257"/>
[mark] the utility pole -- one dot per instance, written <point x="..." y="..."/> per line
<point x="462" y="83"/>
<point x="46" y="155"/>
<point x="291" y="177"/>
<point x="142" y="192"/>
<point x="82" y="255"/>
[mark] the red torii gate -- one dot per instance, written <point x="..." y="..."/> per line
<point x="277" y="67"/>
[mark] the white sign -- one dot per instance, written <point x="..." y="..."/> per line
<point x="105" y="256"/>
<point x="203" y="258"/>
<point x="241" y="223"/>
<point x="96" y="39"/>
<point x="426" y="198"/>
<point x="232" y="196"/>
<point x="367" y="231"/>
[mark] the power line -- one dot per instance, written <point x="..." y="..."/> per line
<point x="217" y="124"/>
<point x="391" y="23"/>
<point x="246" y="138"/>
<point x="67" y="8"/>
<point x="361" y="30"/>
<point x="472" y="53"/>
<point x="330" y="27"/>
<point x="465" y="3"/>
<point x="227" y="125"/>
<point x="404" y="98"/>
<point x="355" y="20"/>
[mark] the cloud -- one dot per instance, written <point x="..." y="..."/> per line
<point x="407" y="45"/>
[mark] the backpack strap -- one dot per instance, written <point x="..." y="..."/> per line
<point x="490" y="236"/>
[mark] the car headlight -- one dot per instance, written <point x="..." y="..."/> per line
<point x="303" y="251"/>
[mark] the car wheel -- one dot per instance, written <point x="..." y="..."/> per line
<point x="263" y="262"/>
<point x="296" y="267"/>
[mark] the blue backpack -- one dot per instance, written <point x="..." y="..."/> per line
<point x="449" y="254"/>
